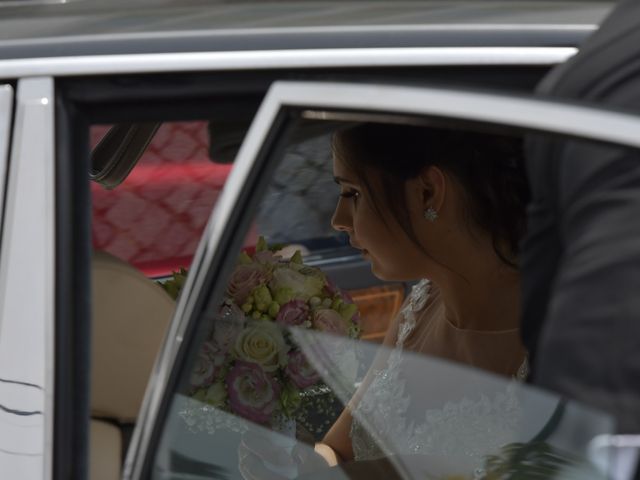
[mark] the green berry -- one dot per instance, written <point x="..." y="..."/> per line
<point x="274" y="308"/>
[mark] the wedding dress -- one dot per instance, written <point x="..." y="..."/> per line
<point x="472" y="427"/>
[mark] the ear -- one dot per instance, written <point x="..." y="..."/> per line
<point x="433" y="183"/>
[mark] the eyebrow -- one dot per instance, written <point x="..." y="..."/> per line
<point x="340" y="180"/>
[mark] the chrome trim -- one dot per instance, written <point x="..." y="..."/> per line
<point x="29" y="3"/>
<point x="320" y="262"/>
<point x="320" y="29"/>
<point x="27" y="269"/>
<point x="523" y="112"/>
<point x="278" y="59"/>
<point x="537" y="114"/>
<point x="6" y="114"/>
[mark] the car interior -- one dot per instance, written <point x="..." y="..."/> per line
<point x="131" y="316"/>
<point x="130" y="311"/>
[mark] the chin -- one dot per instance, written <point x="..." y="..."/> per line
<point x="394" y="275"/>
<point x="385" y="275"/>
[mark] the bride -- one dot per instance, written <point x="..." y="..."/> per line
<point x="423" y="203"/>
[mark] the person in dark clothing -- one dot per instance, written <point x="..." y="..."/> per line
<point x="581" y="256"/>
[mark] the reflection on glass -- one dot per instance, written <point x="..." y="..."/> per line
<point x="463" y="424"/>
<point x="248" y="365"/>
<point x="282" y="355"/>
<point x="377" y="305"/>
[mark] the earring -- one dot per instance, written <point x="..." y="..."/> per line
<point x="430" y="214"/>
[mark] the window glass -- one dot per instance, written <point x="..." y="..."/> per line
<point x="145" y="229"/>
<point x="157" y="187"/>
<point x="293" y="334"/>
<point x="154" y="218"/>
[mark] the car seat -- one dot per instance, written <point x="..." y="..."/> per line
<point x="131" y="314"/>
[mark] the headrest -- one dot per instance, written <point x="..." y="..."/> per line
<point x="131" y="314"/>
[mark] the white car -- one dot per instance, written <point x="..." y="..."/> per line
<point x="164" y="93"/>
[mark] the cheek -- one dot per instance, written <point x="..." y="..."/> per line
<point x="393" y="255"/>
<point x="367" y="224"/>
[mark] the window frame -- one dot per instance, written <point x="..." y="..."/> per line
<point x="72" y="241"/>
<point x="6" y="118"/>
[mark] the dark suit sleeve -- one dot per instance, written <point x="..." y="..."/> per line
<point x="589" y="347"/>
<point x="581" y="257"/>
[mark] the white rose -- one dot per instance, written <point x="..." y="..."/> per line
<point x="262" y="343"/>
<point x="303" y="286"/>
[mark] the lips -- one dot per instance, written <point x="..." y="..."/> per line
<point x="364" y="251"/>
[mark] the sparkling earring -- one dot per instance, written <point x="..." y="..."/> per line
<point x="430" y="214"/>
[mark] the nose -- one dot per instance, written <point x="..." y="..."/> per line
<point x="341" y="220"/>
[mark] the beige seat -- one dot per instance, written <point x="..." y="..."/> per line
<point x="130" y="317"/>
<point x="105" y="452"/>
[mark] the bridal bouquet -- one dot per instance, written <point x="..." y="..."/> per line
<point x="249" y="365"/>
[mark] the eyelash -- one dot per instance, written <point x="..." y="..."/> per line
<point x="350" y="194"/>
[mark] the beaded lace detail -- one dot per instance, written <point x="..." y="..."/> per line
<point x="471" y="427"/>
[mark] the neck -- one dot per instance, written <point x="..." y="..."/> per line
<point x="485" y="297"/>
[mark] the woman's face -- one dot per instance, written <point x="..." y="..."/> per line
<point x="393" y="255"/>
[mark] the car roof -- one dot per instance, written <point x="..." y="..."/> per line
<point x="50" y="28"/>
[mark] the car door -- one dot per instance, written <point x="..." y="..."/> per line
<point x="26" y="273"/>
<point x="168" y="441"/>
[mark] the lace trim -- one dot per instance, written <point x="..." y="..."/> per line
<point x="417" y="300"/>
<point x="523" y="371"/>
<point x="469" y="427"/>
<point x="392" y="401"/>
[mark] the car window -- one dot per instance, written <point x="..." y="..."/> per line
<point x="145" y="228"/>
<point x="154" y="218"/>
<point x="277" y="350"/>
<point x="155" y="185"/>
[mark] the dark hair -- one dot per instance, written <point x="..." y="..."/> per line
<point x="488" y="167"/>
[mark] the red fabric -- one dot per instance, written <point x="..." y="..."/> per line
<point x="155" y="218"/>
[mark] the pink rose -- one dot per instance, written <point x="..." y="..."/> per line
<point x="208" y="364"/>
<point x="229" y="323"/>
<point x="214" y="352"/>
<point x="292" y="313"/>
<point x="330" y="321"/>
<point x="346" y="298"/>
<point x="300" y="371"/>
<point x="253" y="393"/>
<point x="330" y="288"/>
<point x="244" y="279"/>
<point x="203" y="373"/>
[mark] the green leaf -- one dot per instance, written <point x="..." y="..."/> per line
<point x="173" y="286"/>
<point x="261" y="246"/>
<point x="297" y="257"/>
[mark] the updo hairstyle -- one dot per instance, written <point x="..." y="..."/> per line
<point x="488" y="168"/>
